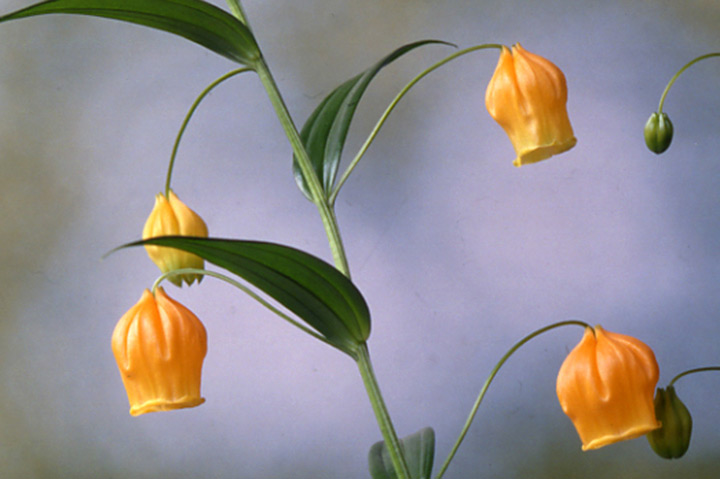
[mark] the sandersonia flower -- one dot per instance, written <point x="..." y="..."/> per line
<point x="159" y="346"/>
<point x="606" y="387"/>
<point x="170" y="216"/>
<point x="527" y="96"/>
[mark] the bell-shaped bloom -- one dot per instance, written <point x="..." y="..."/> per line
<point x="672" y="440"/>
<point x="159" y="346"/>
<point x="606" y="386"/>
<point x="527" y="96"/>
<point x="171" y="217"/>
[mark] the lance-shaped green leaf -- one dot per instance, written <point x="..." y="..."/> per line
<point x="419" y="449"/>
<point x="314" y="290"/>
<point x="195" y="20"/>
<point x="325" y="131"/>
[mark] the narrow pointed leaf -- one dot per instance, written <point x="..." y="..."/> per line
<point x="325" y="131"/>
<point x="198" y="21"/>
<point x="419" y="449"/>
<point x="314" y="290"/>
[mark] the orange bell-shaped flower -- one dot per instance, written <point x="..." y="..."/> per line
<point x="606" y="387"/>
<point x="159" y="346"/>
<point x="169" y="217"/>
<point x="527" y="96"/>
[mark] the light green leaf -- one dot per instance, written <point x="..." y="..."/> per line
<point x="325" y="131"/>
<point x="314" y="290"/>
<point x="195" y="20"/>
<point x="419" y="449"/>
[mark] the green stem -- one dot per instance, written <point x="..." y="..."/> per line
<point x="326" y="212"/>
<point x="189" y="115"/>
<point x="332" y="230"/>
<point x="489" y="380"/>
<point x="675" y="77"/>
<point x="237" y="9"/>
<point x="316" y="190"/>
<point x="693" y="371"/>
<point x="392" y="106"/>
<point x="381" y="413"/>
<point x="245" y="290"/>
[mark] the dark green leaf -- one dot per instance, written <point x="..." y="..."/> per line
<point x="419" y="449"/>
<point x="195" y="20"/>
<point x="325" y="131"/>
<point x="312" y="289"/>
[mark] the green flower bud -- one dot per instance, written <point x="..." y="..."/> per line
<point x="658" y="132"/>
<point x="672" y="440"/>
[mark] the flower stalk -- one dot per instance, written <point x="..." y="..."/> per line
<point x="679" y="72"/>
<point x="693" y="371"/>
<point x="659" y="129"/>
<point x="391" y="107"/>
<point x="189" y="115"/>
<point x="489" y="380"/>
<point x="204" y="272"/>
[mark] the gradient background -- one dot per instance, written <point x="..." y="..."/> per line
<point x="458" y="253"/>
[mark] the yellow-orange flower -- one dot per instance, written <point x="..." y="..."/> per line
<point x="606" y="387"/>
<point x="170" y="216"/>
<point x="527" y="96"/>
<point x="159" y="346"/>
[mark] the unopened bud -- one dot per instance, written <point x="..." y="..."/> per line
<point x="672" y="440"/>
<point x="658" y="132"/>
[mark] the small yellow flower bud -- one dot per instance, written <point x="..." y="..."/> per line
<point x="658" y="132"/>
<point x="159" y="346"/>
<point x="170" y="217"/>
<point x="672" y="440"/>
<point x="606" y="386"/>
<point x="527" y="96"/>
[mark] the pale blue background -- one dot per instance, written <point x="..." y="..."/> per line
<point x="458" y="253"/>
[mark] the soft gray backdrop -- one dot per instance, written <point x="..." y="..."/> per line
<point x="458" y="253"/>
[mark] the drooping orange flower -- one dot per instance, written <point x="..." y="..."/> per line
<point x="159" y="346"/>
<point x="527" y="96"/>
<point x="170" y="216"/>
<point x="606" y="387"/>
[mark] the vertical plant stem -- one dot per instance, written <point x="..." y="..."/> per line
<point x="327" y="213"/>
<point x="381" y="413"/>
<point x="333" y="233"/>
<point x="319" y="197"/>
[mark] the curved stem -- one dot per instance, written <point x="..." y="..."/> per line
<point x="693" y="371"/>
<point x="245" y="290"/>
<point x="489" y="380"/>
<point x="381" y="413"/>
<point x="391" y="107"/>
<point x="189" y="115"/>
<point x="675" y="77"/>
